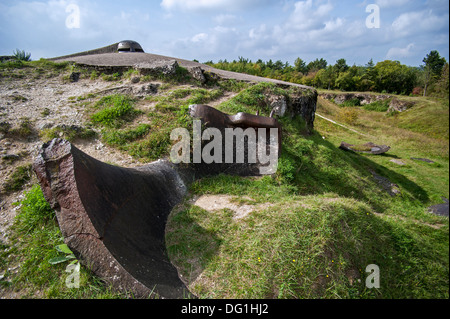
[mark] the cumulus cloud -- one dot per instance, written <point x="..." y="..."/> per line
<point x="40" y="27"/>
<point x="209" y="5"/>
<point x="219" y="29"/>
<point x="222" y="19"/>
<point x="307" y="16"/>
<point x="218" y="41"/>
<point x="413" y="23"/>
<point x="311" y="26"/>
<point x="398" y="53"/>
<point x="391" y="3"/>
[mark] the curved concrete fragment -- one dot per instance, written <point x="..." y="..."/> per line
<point x="246" y="165"/>
<point x="212" y="117"/>
<point x="114" y="218"/>
<point x="369" y="148"/>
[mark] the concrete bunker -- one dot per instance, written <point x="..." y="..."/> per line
<point x="129" y="46"/>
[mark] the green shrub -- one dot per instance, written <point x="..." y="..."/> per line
<point x="378" y="106"/>
<point x="348" y="115"/>
<point x="21" y="55"/>
<point x="94" y="75"/>
<point x="352" y="102"/>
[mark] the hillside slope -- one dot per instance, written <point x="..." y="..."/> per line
<point x="312" y="230"/>
<point x="326" y="216"/>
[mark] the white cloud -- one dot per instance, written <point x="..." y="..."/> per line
<point x="391" y="3"/>
<point x="218" y="41"/>
<point x="200" y="37"/>
<point x="222" y="19"/>
<point x="41" y="27"/>
<point x="413" y="23"/>
<point x="208" y="5"/>
<point x="397" y="53"/>
<point x="306" y="16"/>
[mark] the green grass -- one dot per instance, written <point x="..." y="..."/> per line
<point x="114" y="111"/>
<point x="429" y="117"/>
<point x="252" y="99"/>
<point x="17" y="180"/>
<point x="378" y="106"/>
<point x="35" y="234"/>
<point x="324" y="210"/>
<point x="185" y="97"/>
<point x="111" y="77"/>
<point x="320" y="220"/>
<point x="23" y="130"/>
<point x="304" y="247"/>
<point x="151" y="140"/>
<point x="35" y="69"/>
<point x="67" y="132"/>
<point x="122" y="137"/>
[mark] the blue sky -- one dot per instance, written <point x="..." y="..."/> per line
<point x="226" y="29"/>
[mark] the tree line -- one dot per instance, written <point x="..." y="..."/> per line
<point x="429" y="79"/>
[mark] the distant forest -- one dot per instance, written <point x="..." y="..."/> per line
<point x="429" y="79"/>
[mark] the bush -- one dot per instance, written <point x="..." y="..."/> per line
<point x="21" y="55"/>
<point x="348" y="115"/>
<point x="352" y="102"/>
<point x="378" y="106"/>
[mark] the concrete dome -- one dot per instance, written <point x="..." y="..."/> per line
<point x="129" y="46"/>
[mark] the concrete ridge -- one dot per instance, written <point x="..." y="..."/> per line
<point x="108" y="59"/>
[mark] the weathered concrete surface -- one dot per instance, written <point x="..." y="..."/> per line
<point x="303" y="103"/>
<point x="369" y="148"/>
<point x="440" y="209"/>
<point x="114" y="218"/>
<point x="115" y="59"/>
<point x="214" y="118"/>
<point x="106" y="49"/>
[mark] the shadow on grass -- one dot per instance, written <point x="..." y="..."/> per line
<point x="315" y="177"/>
<point x="191" y="246"/>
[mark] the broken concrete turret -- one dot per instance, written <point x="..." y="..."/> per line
<point x="114" y="218"/>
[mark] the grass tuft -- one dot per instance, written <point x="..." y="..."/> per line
<point x="114" y="111"/>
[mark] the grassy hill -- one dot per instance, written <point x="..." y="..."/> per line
<point x="314" y="227"/>
<point x="324" y="217"/>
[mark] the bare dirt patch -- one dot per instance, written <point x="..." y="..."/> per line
<point x="219" y="202"/>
